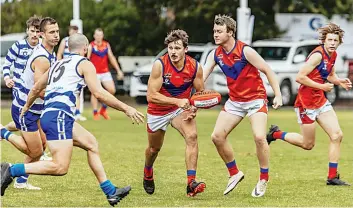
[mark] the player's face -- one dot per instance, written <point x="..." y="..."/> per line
<point x="33" y="34"/>
<point x="51" y="34"/>
<point x="220" y="34"/>
<point x="98" y="36"/>
<point x="332" y="42"/>
<point x="176" y="51"/>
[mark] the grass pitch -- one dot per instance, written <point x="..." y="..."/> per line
<point x="297" y="177"/>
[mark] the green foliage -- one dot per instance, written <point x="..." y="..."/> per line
<point x="138" y="27"/>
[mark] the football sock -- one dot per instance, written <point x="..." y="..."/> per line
<point x="191" y="175"/>
<point x="279" y="135"/>
<point x="17" y="170"/>
<point x="332" y="170"/>
<point x="148" y="172"/>
<point x="232" y="168"/>
<point x="22" y="179"/>
<point x="264" y="174"/>
<point x="108" y="188"/>
<point x="5" y="134"/>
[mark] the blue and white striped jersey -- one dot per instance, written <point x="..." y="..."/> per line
<point x="64" y="85"/>
<point x="16" y="59"/>
<point x="26" y="81"/>
<point x="66" y="50"/>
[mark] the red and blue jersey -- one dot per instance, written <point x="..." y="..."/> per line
<point x="99" y="57"/>
<point x="243" y="79"/>
<point x="176" y="83"/>
<point x="312" y="98"/>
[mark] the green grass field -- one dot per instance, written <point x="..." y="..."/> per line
<point x="297" y="177"/>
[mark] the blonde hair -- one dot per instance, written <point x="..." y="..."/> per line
<point x="226" y="20"/>
<point x="330" y="28"/>
<point x="176" y="35"/>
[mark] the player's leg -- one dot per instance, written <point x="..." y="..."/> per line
<point x="108" y="84"/>
<point x="188" y="130"/>
<point x="94" y="102"/>
<point x="85" y="140"/>
<point x="14" y="139"/>
<point x="155" y="143"/>
<point x="329" y="122"/>
<point x="78" y="115"/>
<point x="61" y="151"/>
<point x="58" y="129"/>
<point x="11" y="126"/>
<point x="227" y="120"/>
<point x="156" y="127"/>
<point x="305" y="140"/>
<point x="258" y="125"/>
<point x="31" y="137"/>
<point x="45" y="155"/>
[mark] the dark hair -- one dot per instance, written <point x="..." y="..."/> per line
<point x="46" y="21"/>
<point x="73" y="27"/>
<point x="33" y="21"/>
<point x="175" y="35"/>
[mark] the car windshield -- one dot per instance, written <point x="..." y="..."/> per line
<point x="195" y="54"/>
<point x="273" y="53"/>
<point x="5" y="45"/>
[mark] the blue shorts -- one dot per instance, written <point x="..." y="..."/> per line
<point x="57" y="125"/>
<point x="27" y="123"/>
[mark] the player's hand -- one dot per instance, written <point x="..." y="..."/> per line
<point x="277" y="102"/>
<point x="136" y="116"/>
<point x="120" y="75"/>
<point x="9" y="82"/>
<point x="327" y="87"/>
<point x="346" y="83"/>
<point x="24" y="110"/>
<point x="191" y="114"/>
<point x="184" y="104"/>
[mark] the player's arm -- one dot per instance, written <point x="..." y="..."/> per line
<point x="89" y="51"/>
<point x="38" y="87"/>
<point x="88" y="71"/>
<point x="40" y="66"/>
<point x="61" y="49"/>
<point x="209" y="66"/>
<point x="154" y="85"/>
<point x="257" y="61"/>
<point x="343" y="82"/>
<point x="114" y="63"/>
<point x="12" y="55"/>
<point x="198" y="81"/>
<point x="309" y="66"/>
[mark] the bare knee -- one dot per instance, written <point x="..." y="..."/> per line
<point x="308" y="145"/>
<point x="191" y="139"/>
<point x="35" y="153"/>
<point x="154" y="150"/>
<point x="92" y="145"/>
<point x="218" y="138"/>
<point x="337" y="136"/>
<point x="60" y="169"/>
<point x="260" y="140"/>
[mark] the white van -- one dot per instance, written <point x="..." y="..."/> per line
<point x="285" y="58"/>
